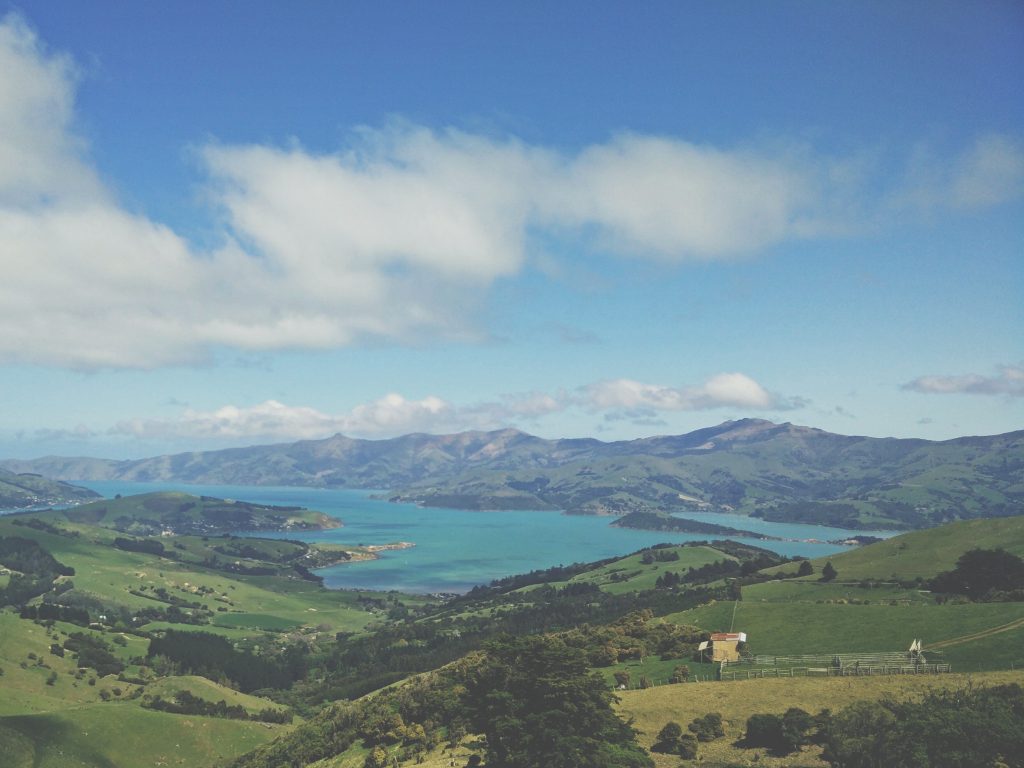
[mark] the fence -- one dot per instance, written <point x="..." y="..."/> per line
<point x="830" y="671"/>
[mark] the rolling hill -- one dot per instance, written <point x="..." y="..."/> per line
<point x="19" y="491"/>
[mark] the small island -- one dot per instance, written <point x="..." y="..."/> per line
<point x="662" y="521"/>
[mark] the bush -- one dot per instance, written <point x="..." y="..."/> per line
<point x="764" y="731"/>
<point x="688" y="746"/>
<point x="797" y="726"/>
<point x="668" y="737"/>
<point x="707" y="728"/>
<point x="681" y="674"/>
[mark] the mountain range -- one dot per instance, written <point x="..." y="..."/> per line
<point x="780" y="472"/>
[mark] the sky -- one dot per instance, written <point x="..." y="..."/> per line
<point x="228" y="224"/>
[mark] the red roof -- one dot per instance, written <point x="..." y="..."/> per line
<point x="717" y="636"/>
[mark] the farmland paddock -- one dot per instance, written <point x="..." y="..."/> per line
<point x="830" y="665"/>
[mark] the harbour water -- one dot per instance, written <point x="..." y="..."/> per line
<point x="458" y="549"/>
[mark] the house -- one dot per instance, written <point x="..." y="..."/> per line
<point x="723" y="646"/>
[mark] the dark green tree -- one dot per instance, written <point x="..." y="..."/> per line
<point x="707" y="728"/>
<point x="668" y="737"/>
<point x="828" y="573"/>
<point x="805" y="569"/>
<point x="538" y="704"/>
<point x="980" y="572"/>
<point x="797" y="726"/>
<point x="688" y="746"/>
<point x="765" y="731"/>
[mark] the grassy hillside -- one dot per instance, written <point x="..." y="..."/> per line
<point x="737" y="701"/>
<point x="922" y="554"/>
<point x="632" y="574"/>
<point x="18" y="491"/>
<point x="126" y="736"/>
<point x="253" y="585"/>
<point x="151" y="514"/>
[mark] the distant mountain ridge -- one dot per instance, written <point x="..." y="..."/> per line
<point x="781" y="472"/>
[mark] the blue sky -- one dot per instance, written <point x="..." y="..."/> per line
<point x="224" y="225"/>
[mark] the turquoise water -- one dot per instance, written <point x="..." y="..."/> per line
<point x="457" y="549"/>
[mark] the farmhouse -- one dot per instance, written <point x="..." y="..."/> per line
<point x="723" y="646"/>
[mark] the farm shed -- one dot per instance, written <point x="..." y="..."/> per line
<point x="724" y="646"/>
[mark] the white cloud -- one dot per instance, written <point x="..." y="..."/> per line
<point x="672" y="199"/>
<point x="397" y="237"/>
<point x="1008" y="381"/>
<point x="988" y="172"/>
<point x="394" y="414"/>
<point x="725" y="389"/>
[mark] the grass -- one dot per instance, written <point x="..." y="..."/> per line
<point x="922" y="554"/>
<point x="115" y="577"/>
<point x="802" y="628"/>
<point x="737" y="701"/>
<point x="124" y="735"/>
<point x="800" y="591"/>
<point x="641" y="576"/>
<point x="210" y="691"/>
<point x="256" y="621"/>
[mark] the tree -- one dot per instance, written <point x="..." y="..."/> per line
<point x="622" y="678"/>
<point x="536" y="702"/>
<point x="980" y="572"/>
<point x="707" y="728"/>
<point x="688" y="746"/>
<point x="946" y="729"/>
<point x="796" y="728"/>
<point x="377" y="758"/>
<point x="828" y="573"/>
<point x="765" y="731"/>
<point x="805" y="569"/>
<point x="681" y="674"/>
<point x="668" y="737"/>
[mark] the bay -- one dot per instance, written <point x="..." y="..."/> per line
<point x="458" y="549"/>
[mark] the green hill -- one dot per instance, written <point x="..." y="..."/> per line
<point x="171" y="512"/>
<point x="18" y="491"/>
<point x="923" y="554"/>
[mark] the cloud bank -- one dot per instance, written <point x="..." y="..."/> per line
<point x="1009" y="381"/>
<point x="397" y="237"/>
<point x="395" y="414"/>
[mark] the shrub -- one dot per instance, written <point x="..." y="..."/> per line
<point x="688" y="746"/>
<point x="681" y="674"/>
<point x="668" y="739"/>
<point x="764" y="731"/>
<point x="707" y="728"/>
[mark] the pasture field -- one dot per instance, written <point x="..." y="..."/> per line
<point x="210" y="691"/>
<point x="114" y="576"/>
<point x="812" y="628"/>
<point x="631" y="574"/>
<point x="807" y="591"/>
<point x="124" y="735"/>
<point x="737" y="701"/>
<point x="921" y="554"/>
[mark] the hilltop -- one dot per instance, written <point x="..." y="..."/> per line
<point x="781" y="472"/>
<point x="19" y="491"/>
<point x="173" y="512"/>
